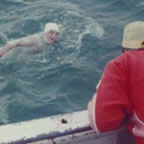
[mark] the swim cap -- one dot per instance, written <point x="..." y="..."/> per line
<point x="133" y="37"/>
<point x="51" y="26"/>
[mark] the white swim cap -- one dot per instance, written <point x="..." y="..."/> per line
<point x="51" y="26"/>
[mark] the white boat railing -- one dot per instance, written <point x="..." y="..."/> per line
<point x="71" y="128"/>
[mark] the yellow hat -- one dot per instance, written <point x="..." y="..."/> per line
<point x="133" y="37"/>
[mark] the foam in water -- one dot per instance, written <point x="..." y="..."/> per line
<point x="3" y="39"/>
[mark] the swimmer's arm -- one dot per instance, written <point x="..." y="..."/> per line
<point x="27" y="41"/>
<point x="5" y="49"/>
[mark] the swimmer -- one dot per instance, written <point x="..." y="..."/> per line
<point x="49" y="36"/>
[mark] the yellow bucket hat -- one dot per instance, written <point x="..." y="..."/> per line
<point x="133" y="36"/>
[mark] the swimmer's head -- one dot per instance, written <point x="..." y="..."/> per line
<point x="51" y="26"/>
<point x="51" y="31"/>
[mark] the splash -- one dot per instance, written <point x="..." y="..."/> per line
<point x="75" y="26"/>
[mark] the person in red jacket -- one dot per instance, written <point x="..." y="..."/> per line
<point x="120" y="92"/>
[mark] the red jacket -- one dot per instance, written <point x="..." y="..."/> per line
<point x="120" y="96"/>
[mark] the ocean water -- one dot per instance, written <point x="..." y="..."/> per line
<point x="62" y="77"/>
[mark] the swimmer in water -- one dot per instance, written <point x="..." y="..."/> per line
<point x="49" y="36"/>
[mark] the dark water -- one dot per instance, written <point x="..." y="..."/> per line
<point x="63" y="76"/>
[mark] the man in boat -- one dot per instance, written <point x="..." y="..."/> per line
<point x="50" y="35"/>
<point x="120" y="92"/>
